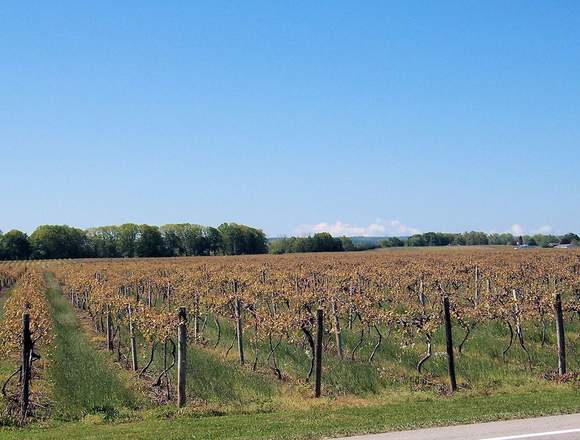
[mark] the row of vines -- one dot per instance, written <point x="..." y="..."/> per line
<point x="25" y="327"/>
<point x="273" y="300"/>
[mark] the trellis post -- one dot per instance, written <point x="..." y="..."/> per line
<point x="318" y="352"/>
<point x="25" y="373"/>
<point x="181" y="356"/>
<point x="560" y="334"/>
<point x="449" y="345"/>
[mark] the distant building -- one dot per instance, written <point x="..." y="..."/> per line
<point x="567" y="246"/>
<point x="525" y="246"/>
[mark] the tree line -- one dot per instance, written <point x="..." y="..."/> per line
<point x="186" y="239"/>
<point x="321" y="242"/>
<point x="475" y="238"/>
<point x="324" y="242"/>
<point x="132" y="240"/>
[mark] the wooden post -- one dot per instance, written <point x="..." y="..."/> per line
<point x="25" y="373"/>
<point x="318" y="352"/>
<point x="519" y="329"/>
<point x="337" y="331"/>
<point x="449" y="344"/>
<point x="181" y="356"/>
<point x="196" y="319"/>
<point x="239" y="333"/>
<point x="560" y="334"/>
<point x="133" y="341"/>
<point x="109" y="329"/>
<point x="476" y="295"/>
<point x="421" y="294"/>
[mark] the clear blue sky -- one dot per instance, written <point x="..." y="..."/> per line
<point x="357" y="117"/>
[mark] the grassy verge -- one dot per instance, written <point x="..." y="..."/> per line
<point x="83" y="381"/>
<point x="328" y="419"/>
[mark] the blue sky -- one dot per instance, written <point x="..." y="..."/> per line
<point x="365" y="118"/>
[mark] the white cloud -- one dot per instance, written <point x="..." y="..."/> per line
<point x="517" y="229"/>
<point x="546" y="229"/>
<point x="379" y="228"/>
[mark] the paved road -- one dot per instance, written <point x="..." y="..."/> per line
<point x="542" y="428"/>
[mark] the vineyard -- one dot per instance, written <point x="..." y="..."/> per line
<point x="264" y="333"/>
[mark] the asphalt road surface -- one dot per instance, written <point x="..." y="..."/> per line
<point x="542" y="428"/>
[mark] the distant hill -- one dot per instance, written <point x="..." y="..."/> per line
<point x="371" y="240"/>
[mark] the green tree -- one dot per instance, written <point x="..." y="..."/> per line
<point x="531" y="241"/>
<point x="127" y="236"/>
<point x="240" y="239"/>
<point x="475" y="238"/>
<point x="55" y="241"/>
<point x="171" y="241"/>
<point x="149" y="242"/>
<point x="570" y="237"/>
<point x="347" y="244"/>
<point x="214" y="240"/>
<point x="301" y="244"/>
<point x="195" y="240"/>
<point x="14" y="245"/>
<point x="501" y="239"/>
<point x="279" y="246"/>
<point x="416" y="240"/>
<point x="103" y="241"/>
<point x="324" y="242"/>
<point x="546" y="240"/>
<point x="391" y="242"/>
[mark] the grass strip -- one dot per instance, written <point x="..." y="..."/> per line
<point x="83" y="382"/>
<point x="327" y="420"/>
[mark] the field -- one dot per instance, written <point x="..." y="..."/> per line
<point x="106" y="333"/>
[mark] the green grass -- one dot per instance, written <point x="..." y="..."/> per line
<point x="325" y="420"/>
<point x="209" y="378"/>
<point x="212" y="380"/>
<point x="3" y="297"/>
<point x="293" y="360"/>
<point x="480" y="366"/>
<point x="83" y="380"/>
